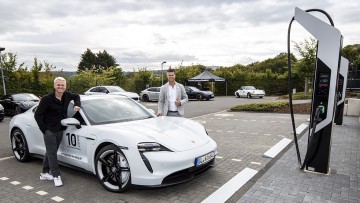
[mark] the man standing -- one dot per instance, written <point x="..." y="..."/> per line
<point x="172" y="97"/>
<point x="51" y="110"/>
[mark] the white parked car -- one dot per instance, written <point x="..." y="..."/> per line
<point x="150" y="94"/>
<point x="116" y="90"/>
<point x="122" y="143"/>
<point x="249" y="92"/>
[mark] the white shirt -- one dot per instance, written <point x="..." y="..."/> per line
<point x="172" y="98"/>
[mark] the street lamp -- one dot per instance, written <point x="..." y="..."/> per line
<point x="2" y="73"/>
<point x="162" y="73"/>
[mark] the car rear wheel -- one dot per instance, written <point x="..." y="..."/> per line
<point x="249" y="95"/>
<point x="199" y="97"/>
<point x="19" y="146"/>
<point x="145" y="98"/>
<point x="112" y="169"/>
<point x="17" y="110"/>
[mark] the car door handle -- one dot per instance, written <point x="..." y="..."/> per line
<point x="90" y="138"/>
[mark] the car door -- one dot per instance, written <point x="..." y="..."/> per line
<point x="8" y="104"/>
<point x="154" y="93"/>
<point x="190" y="93"/>
<point x="76" y="142"/>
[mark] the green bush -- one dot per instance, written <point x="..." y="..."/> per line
<point x="297" y="96"/>
<point x="261" y="107"/>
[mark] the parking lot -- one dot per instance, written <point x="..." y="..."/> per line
<point x="242" y="139"/>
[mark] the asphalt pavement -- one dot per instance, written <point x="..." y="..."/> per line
<point x="242" y="139"/>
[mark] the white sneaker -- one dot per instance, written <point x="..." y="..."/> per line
<point x="46" y="176"/>
<point x="57" y="181"/>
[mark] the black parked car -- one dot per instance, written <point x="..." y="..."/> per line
<point x="195" y="93"/>
<point x="2" y="114"/>
<point x="18" y="103"/>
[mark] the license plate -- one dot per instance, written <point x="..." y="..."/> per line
<point x="204" y="159"/>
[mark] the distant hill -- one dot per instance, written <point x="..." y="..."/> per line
<point x="65" y="74"/>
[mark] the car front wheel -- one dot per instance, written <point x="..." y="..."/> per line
<point x="112" y="169"/>
<point x="199" y="97"/>
<point x="237" y="94"/>
<point x="145" y="98"/>
<point x="249" y="95"/>
<point x="19" y="146"/>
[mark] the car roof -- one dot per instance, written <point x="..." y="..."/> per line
<point x="92" y="97"/>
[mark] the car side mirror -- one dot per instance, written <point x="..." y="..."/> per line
<point x="71" y="122"/>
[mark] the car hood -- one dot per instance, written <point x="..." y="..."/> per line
<point x="177" y="134"/>
<point x="129" y="94"/>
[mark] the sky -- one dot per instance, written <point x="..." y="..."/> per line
<point x="144" y="33"/>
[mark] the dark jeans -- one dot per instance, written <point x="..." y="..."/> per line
<point x="52" y="141"/>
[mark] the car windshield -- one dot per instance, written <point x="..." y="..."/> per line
<point x="25" y="97"/>
<point x="113" y="110"/>
<point x="115" y="89"/>
<point x="194" y="89"/>
<point x="250" y="88"/>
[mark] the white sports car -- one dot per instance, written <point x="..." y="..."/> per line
<point x="249" y="92"/>
<point x="122" y="143"/>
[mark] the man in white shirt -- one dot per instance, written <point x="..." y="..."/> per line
<point x="172" y="97"/>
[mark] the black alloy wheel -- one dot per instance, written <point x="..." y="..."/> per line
<point x="199" y="97"/>
<point x="112" y="169"/>
<point x="145" y="98"/>
<point x="17" y="110"/>
<point x="19" y="146"/>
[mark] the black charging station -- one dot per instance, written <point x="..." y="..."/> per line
<point x="324" y="96"/>
<point x="342" y="81"/>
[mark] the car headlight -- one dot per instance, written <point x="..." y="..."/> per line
<point x="151" y="147"/>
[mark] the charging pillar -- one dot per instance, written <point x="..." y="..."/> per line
<point x="342" y="81"/>
<point x="324" y="90"/>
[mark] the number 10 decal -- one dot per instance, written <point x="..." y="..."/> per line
<point x="73" y="140"/>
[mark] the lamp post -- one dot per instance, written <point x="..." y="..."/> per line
<point x="162" y="73"/>
<point x="2" y="73"/>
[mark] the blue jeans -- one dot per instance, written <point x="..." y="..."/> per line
<point x="52" y="141"/>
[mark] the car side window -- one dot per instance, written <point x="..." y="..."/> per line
<point x="152" y="89"/>
<point x="157" y="89"/>
<point x="94" y="89"/>
<point x="103" y="89"/>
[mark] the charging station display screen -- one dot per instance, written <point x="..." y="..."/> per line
<point x="323" y="84"/>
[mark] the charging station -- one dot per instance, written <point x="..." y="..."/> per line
<point x="323" y="103"/>
<point x="342" y="81"/>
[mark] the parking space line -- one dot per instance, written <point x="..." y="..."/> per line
<point x="4" y="178"/>
<point x="28" y="187"/>
<point x="57" y="199"/>
<point x="238" y="160"/>
<point x="233" y="185"/>
<point x="256" y="163"/>
<point x="5" y="158"/>
<point x="41" y="192"/>
<point x="15" y="183"/>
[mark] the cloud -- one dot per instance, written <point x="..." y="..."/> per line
<point x="145" y="33"/>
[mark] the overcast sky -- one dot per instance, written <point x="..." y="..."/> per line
<point x="141" y="33"/>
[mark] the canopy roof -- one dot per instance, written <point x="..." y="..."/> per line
<point x="205" y="77"/>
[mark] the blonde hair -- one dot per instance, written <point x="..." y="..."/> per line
<point x="59" y="78"/>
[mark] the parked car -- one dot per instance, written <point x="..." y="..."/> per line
<point x="195" y="93"/>
<point x="18" y="103"/>
<point x="122" y="143"/>
<point x="249" y="92"/>
<point x="116" y="90"/>
<point x="2" y="114"/>
<point x="150" y="94"/>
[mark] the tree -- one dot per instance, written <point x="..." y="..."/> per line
<point x="305" y="67"/>
<point x="96" y="62"/>
<point x="352" y="53"/>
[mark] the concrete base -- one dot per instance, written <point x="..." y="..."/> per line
<point x="353" y="107"/>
